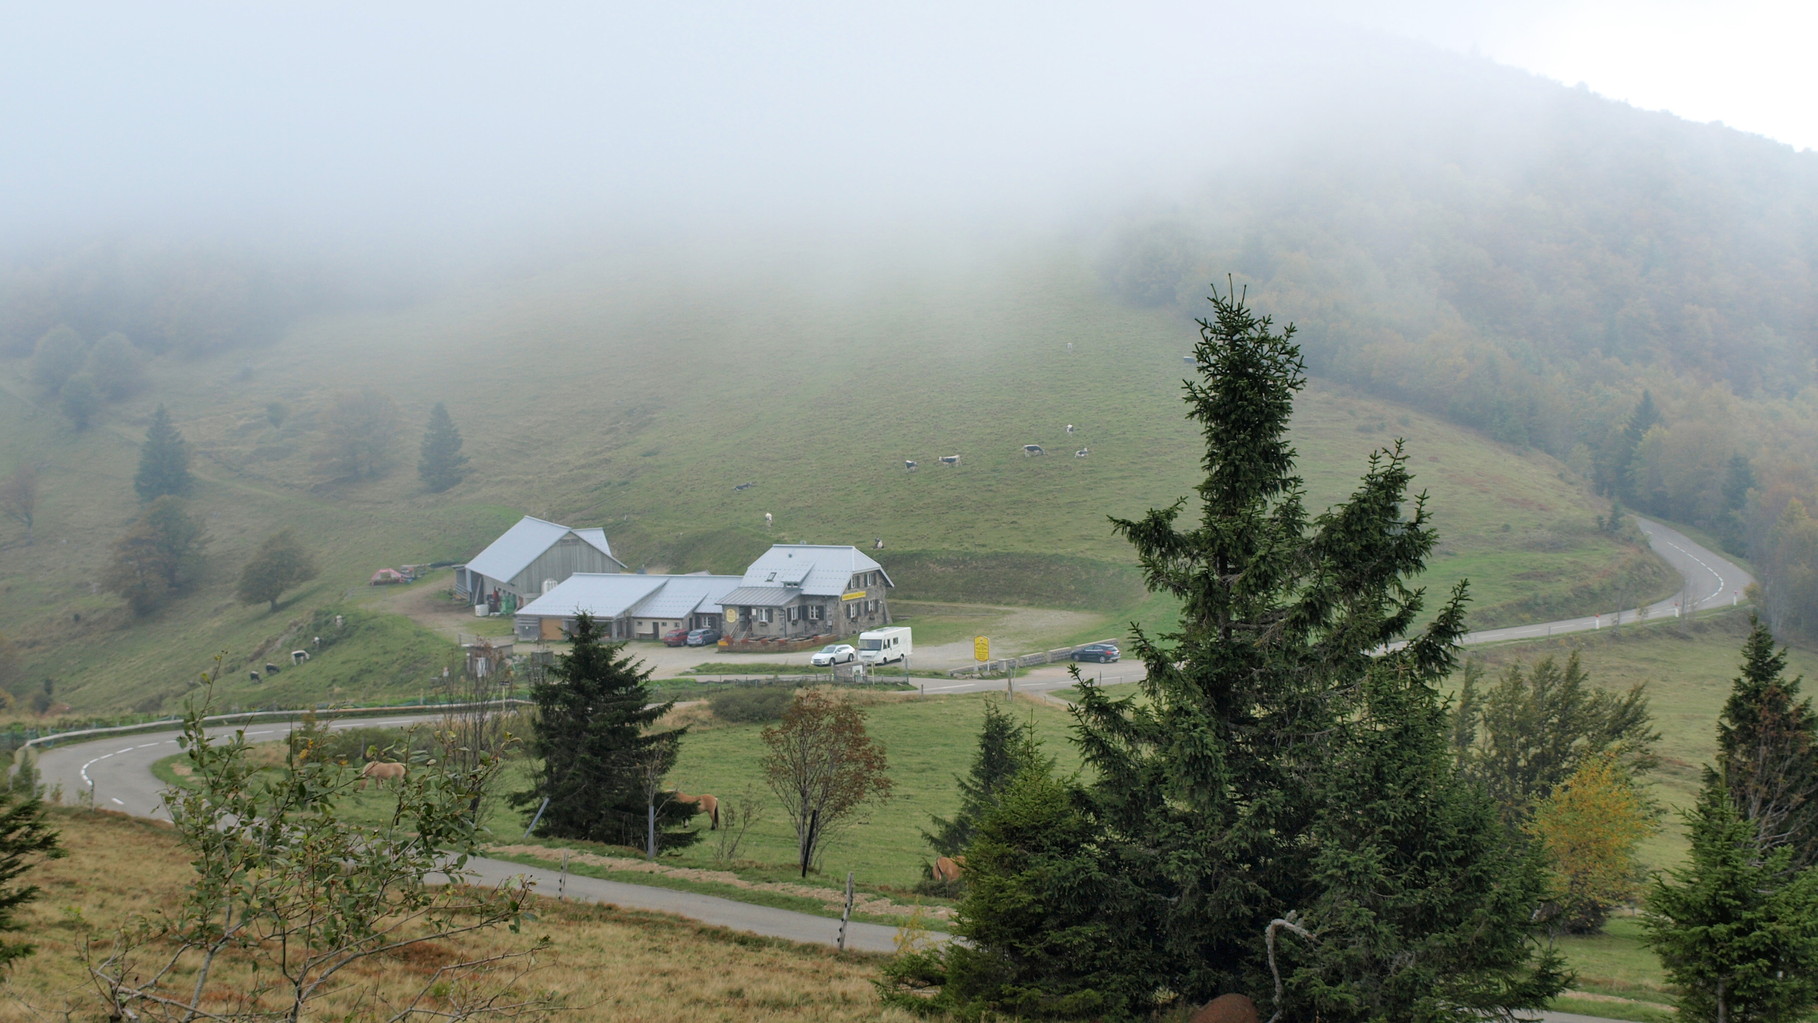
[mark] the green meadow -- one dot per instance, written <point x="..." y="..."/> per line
<point x="634" y="396"/>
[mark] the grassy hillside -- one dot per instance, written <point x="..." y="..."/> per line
<point x="636" y="394"/>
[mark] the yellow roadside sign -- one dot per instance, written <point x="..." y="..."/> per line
<point x="981" y="648"/>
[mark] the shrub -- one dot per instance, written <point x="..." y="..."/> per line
<point x="753" y="705"/>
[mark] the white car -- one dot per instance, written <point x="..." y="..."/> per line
<point x="835" y="653"/>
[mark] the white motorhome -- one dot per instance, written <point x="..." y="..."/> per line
<point x="881" y="646"/>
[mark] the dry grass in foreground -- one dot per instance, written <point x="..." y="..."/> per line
<point x="607" y="964"/>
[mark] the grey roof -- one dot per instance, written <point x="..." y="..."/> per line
<point x="600" y="594"/>
<point x="683" y="595"/>
<point x="760" y="596"/>
<point x="614" y="594"/>
<point x="520" y="545"/>
<point x="816" y="569"/>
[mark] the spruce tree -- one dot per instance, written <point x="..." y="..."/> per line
<point x="163" y="461"/>
<point x="1005" y="748"/>
<point x="595" y="747"/>
<point x="1229" y="794"/>
<point x="1736" y="931"/>
<point x="441" y="463"/>
<point x="1767" y="748"/>
<point x="25" y="840"/>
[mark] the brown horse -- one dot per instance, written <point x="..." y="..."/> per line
<point x="710" y="805"/>
<point x="381" y="771"/>
<point x="948" y="868"/>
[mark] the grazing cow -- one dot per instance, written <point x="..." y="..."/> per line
<point x="768" y="520"/>
<point x="949" y="459"/>
<point x="710" y="805"/>
<point x="1082" y="452"/>
<point x="253" y="675"/>
<point x="745" y="486"/>
<point x="1070" y="429"/>
<point x="270" y="668"/>
<point x="910" y="465"/>
<point x="1033" y="449"/>
<point x="299" y="656"/>
<point x="877" y="544"/>
<point x="1069" y="346"/>
<point x="948" y="868"/>
<point x="381" y="771"/>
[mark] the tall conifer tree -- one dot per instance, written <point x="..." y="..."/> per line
<point x="595" y="747"/>
<point x="1767" y="750"/>
<point x="1286" y="755"/>
<point x="441" y="464"/>
<point x="163" y="461"/>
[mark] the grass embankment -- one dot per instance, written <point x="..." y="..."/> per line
<point x="607" y="964"/>
<point x="978" y="365"/>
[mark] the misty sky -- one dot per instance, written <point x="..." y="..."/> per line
<point x="326" y="117"/>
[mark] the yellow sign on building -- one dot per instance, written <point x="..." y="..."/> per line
<point x="854" y="594"/>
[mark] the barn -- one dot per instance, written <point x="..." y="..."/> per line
<point x="794" y="591"/>
<point x="626" y="606"/>
<point x="529" y="559"/>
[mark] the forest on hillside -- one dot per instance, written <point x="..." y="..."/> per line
<point x="1627" y="291"/>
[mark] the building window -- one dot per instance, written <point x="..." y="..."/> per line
<point x="814" y="612"/>
<point x="763" y="614"/>
<point x="794" y="613"/>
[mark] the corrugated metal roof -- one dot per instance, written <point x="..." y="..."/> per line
<point x="683" y="595"/>
<point x="600" y="594"/>
<point x="760" y="596"/>
<point x="520" y="545"/>
<point x="819" y="570"/>
<point x="610" y="595"/>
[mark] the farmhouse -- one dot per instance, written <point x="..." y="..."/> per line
<point x="530" y="559"/>
<point x="795" y="591"/>
<point x="626" y="606"/>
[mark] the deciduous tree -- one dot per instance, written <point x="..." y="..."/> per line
<point x="19" y="496"/>
<point x="1590" y="827"/>
<point x="594" y="741"/>
<point x="57" y="357"/>
<point x="157" y="556"/>
<point x="116" y="367"/>
<point x="79" y="401"/>
<point x="291" y="896"/>
<point x="441" y="464"/>
<point x="824" y="767"/>
<point x="357" y="435"/>
<point x="163" y="460"/>
<point x="281" y="563"/>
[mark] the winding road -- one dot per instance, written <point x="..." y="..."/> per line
<point x="117" y="771"/>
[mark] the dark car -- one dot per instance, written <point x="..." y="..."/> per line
<point x="1103" y="653"/>
<point x="675" y="637"/>
<point x="703" y="637"/>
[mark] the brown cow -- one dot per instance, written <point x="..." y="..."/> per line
<point x="381" y="771"/>
<point x="710" y="805"/>
<point x="948" y="868"/>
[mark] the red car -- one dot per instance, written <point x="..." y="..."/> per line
<point x="675" y="637"/>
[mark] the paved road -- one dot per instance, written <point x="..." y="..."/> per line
<point x="118" y="771"/>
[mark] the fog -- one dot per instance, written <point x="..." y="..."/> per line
<point x="470" y="123"/>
